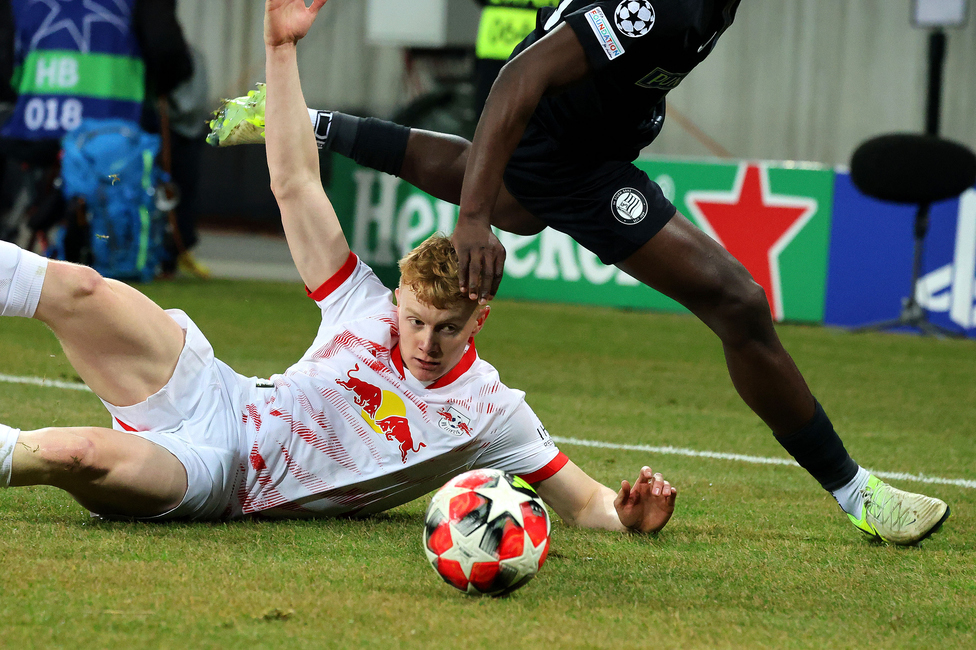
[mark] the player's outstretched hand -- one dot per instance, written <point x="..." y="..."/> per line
<point x="648" y="505"/>
<point x="481" y="259"/>
<point x="287" y="21"/>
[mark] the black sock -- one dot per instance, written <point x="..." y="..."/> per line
<point x="819" y="450"/>
<point x="372" y="143"/>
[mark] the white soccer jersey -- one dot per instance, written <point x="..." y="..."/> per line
<point x="348" y="430"/>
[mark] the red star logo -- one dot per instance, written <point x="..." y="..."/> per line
<point x="754" y="225"/>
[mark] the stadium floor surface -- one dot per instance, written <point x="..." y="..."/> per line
<point x="236" y="255"/>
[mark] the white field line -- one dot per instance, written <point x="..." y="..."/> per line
<point x="674" y="451"/>
<point x="47" y="383"/>
<point x="759" y="460"/>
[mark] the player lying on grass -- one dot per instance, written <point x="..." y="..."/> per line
<point x="576" y="103"/>
<point x="388" y="403"/>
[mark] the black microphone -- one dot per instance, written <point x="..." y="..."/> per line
<point x="913" y="168"/>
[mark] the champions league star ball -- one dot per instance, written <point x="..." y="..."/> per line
<point x="486" y="532"/>
<point x="634" y="17"/>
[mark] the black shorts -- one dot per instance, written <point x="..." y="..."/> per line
<point x="611" y="208"/>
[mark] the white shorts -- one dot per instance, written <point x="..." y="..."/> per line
<point x="196" y="416"/>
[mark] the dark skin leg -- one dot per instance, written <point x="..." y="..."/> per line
<point x="681" y="262"/>
<point x="687" y="265"/>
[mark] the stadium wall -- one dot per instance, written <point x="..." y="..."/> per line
<point x="791" y="80"/>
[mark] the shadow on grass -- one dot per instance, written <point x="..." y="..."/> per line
<point x="411" y="520"/>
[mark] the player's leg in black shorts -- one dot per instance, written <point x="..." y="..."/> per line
<point x="612" y="209"/>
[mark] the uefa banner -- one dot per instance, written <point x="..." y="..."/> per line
<point x="871" y="256"/>
<point x="775" y="218"/>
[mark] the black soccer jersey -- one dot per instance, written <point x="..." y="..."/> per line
<point x="638" y="50"/>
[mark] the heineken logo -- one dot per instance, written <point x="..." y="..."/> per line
<point x="754" y="225"/>
<point x="778" y="228"/>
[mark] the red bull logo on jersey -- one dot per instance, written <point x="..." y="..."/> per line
<point x="396" y="427"/>
<point x="384" y="411"/>
<point x="454" y="422"/>
<point x="365" y="395"/>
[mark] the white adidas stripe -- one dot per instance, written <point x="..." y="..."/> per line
<point x="674" y="451"/>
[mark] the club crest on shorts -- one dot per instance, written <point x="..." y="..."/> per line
<point x="634" y="18"/>
<point x="629" y="206"/>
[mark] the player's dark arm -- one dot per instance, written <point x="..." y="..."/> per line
<point x="549" y="65"/>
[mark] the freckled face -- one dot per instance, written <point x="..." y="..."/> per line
<point x="432" y="340"/>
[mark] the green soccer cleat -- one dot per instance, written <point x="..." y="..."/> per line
<point x="239" y="120"/>
<point x="898" y="517"/>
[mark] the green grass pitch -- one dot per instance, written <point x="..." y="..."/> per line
<point x="755" y="556"/>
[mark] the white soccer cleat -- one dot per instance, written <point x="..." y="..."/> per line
<point x="896" y="516"/>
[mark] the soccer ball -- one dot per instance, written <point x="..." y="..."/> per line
<point x="634" y="17"/>
<point x="486" y="532"/>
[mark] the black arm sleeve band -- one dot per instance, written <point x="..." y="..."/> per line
<point x="376" y="144"/>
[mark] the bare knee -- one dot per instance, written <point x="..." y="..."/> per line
<point x="82" y="283"/>
<point x="68" y="289"/>
<point x="740" y="314"/>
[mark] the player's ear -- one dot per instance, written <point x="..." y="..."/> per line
<point x="482" y="317"/>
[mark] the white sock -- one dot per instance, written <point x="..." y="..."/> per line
<point x="849" y="497"/>
<point x="21" y="278"/>
<point x="8" y="439"/>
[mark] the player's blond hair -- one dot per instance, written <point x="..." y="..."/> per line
<point x="431" y="272"/>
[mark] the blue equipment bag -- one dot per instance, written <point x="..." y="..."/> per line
<point x="111" y="165"/>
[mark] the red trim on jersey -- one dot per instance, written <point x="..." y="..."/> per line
<point x="548" y="471"/>
<point x="462" y="366"/>
<point x="398" y="361"/>
<point x="336" y="280"/>
<point x="125" y="426"/>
